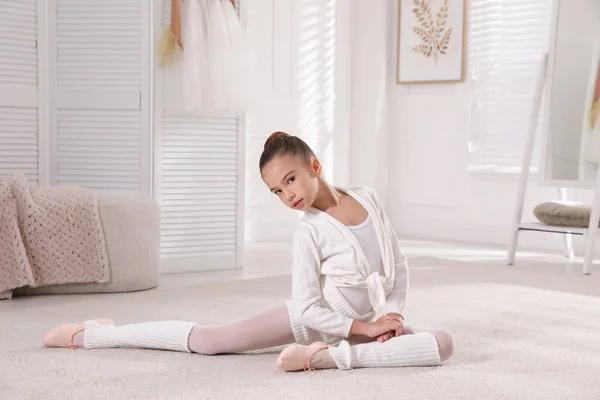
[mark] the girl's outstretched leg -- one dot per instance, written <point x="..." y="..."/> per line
<point x="269" y="329"/>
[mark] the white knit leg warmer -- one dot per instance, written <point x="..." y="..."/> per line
<point x="416" y="350"/>
<point x="163" y="335"/>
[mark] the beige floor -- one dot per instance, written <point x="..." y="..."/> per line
<point x="523" y="332"/>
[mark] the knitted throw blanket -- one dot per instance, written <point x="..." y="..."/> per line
<point x="49" y="235"/>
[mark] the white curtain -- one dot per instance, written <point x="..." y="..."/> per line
<point x="506" y="42"/>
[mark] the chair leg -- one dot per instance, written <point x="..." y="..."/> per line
<point x="512" y="250"/>
<point x="588" y="257"/>
<point x="569" y="252"/>
<point x="564" y="196"/>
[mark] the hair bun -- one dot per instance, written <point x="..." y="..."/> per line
<point x="274" y="137"/>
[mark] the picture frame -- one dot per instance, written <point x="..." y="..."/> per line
<point x="431" y="41"/>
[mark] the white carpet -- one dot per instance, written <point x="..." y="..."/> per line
<point x="512" y="342"/>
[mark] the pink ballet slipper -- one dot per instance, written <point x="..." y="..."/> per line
<point x="62" y="335"/>
<point x="298" y="357"/>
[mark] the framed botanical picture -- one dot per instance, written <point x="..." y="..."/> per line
<point x="431" y="41"/>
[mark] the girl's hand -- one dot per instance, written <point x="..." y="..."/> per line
<point x="388" y="335"/>
<point x="385" y="337"/>
<point x="387" y="324"/>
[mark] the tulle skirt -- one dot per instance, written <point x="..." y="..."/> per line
<point x="213" y="76"/>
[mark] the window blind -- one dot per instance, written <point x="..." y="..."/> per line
<point x="507" y="40"/>
<point x="19" y="89"/>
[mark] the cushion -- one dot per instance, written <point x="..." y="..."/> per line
<point x="131" y="225"/>
<point x="564" y="213"/>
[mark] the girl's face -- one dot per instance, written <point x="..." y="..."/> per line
<point x="293" y="180"/>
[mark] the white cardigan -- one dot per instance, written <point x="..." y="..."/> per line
<point x="326" y="255"/>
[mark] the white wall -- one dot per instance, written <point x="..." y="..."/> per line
<point x="371" y="79"/>
<point x="431" y="194"/>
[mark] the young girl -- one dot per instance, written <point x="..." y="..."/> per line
<point x="349" y="286"/>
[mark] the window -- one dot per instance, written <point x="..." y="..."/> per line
<point x="507" y="41"/>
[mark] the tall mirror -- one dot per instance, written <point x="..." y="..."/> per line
<point x="572" y="151"/>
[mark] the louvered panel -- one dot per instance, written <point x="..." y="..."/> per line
<point x="19" y="142"/>
<point x="199" y="189"/>
<point x="101" y="62"/>
<point x="199" y="198"/>
<point x="99" y="44"/>
<point x="99" y="148"/>
<point x="18" y="42"/>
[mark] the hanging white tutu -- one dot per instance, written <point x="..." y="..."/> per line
<point x="212" y="77"/>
